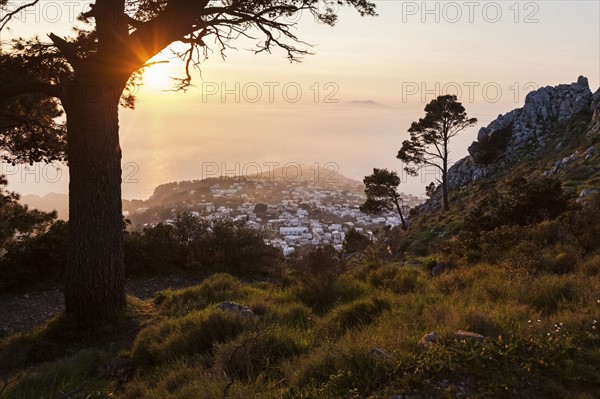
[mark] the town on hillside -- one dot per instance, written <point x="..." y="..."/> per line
<point x="290" y="213"/>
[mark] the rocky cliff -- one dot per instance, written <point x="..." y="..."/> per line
<point x="528" y="130"/>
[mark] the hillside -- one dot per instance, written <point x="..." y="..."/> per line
<point x="498" y="297"/>
<point x="556" y="130"/>
<point x="270" y="187"/>
<point x="320" y="204"/>
<point x="173" y="193"/>
<point x="48" y="203"/>
<point x="555" y="134"/>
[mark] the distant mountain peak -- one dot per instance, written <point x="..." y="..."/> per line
<point x="364" y="104"/>
<point x="48" y="203"/>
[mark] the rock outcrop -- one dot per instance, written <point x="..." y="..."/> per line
<point x="525" y="129"/>
<point x="594" y="129"/>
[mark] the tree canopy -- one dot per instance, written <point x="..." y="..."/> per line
<point x="88" y="75"/>
<point x="16" y="218"/>
<point x="382" y="195"/>
<point x="444" y="118"/>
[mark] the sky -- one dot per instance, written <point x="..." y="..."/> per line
<point x="254" y="111"/>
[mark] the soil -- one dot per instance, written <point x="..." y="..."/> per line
<point x="25" y="311"/>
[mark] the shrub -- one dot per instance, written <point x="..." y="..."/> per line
<point x="547" y="293"/>
<point x="522" y="203"/>
<point x="581" y="221"/>
<point x="590" y="266"/>
<point x="194" y="243"/>
<point x="35" y="259"/>
<point x="481" y="324"/>
<point x="217" y="288"/>
<point x="316" y="272"/>
<point x="151" y="250"/>
<point x="491" y="366"/>
<point x="18" y="218"/>
<point x="559" y="261"/>
<point x="234" y="247"/>
<point x="195" y="333"/>
<point x="333" y="373"/>
<point x="500" y="243"/>
<point x="355" y="314"/>
<point x="256" y="353"/>
<point x="295" y="315"/>
<point x="55" y="378"/>
<point x="355" y="242"/>
<point x="420" y="243"/>
<point x="397" y="279"/>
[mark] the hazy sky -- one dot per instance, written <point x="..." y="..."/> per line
<point x="260" y="109"/>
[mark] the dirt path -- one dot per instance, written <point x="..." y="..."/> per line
<point x="23" y="312"/>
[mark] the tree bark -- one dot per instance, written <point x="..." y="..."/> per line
<point x="445" y="174"/>
<point x="399" y="209"/>
<point x="94" y="286"/>
<point x="445" y="190"/>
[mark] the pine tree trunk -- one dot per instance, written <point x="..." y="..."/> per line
<point x="445" y="191"/>
<point x="445" y="175"/>
<point x="95" y="271"/>
<point x="399" y="209"/>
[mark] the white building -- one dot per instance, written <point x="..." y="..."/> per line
<point x="293" y="231"/>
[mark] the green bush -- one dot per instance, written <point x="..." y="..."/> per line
<point x="355" y="314"/>
<point x="590" y="266"/>
<point x="196" y="333"/>
<point x="196" y="243"/>
<point x="55" y="378"/>
<point x="548" y="293"/>
<point x="217" y="288"/>
<point x="482" y="324"/>
<point x="581" y="221"/>
<point x="152" y="250"/>
<point x="522" y="203"/>
<point x="316" y="272"/>
<point x="398" y="279"/>
<point x="331" y="373"/>
<point x="355" y="242"/>
<point x="259" y="352"/>
<point x="558" y="260"/>
<point x="492" y="365"/>
<point x="35" y="259"/>
<point x="294" y="315"/>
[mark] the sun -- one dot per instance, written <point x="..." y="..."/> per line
<point x="156" y="77"/>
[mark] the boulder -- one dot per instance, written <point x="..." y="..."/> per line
<point x="380" y="354"/>
<point x="586" y="193"/>
<point x="439" y="268"/>
<point x="242" y="310"/>
<point x="429" y="339"/>
<point x="468" y="335"/>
